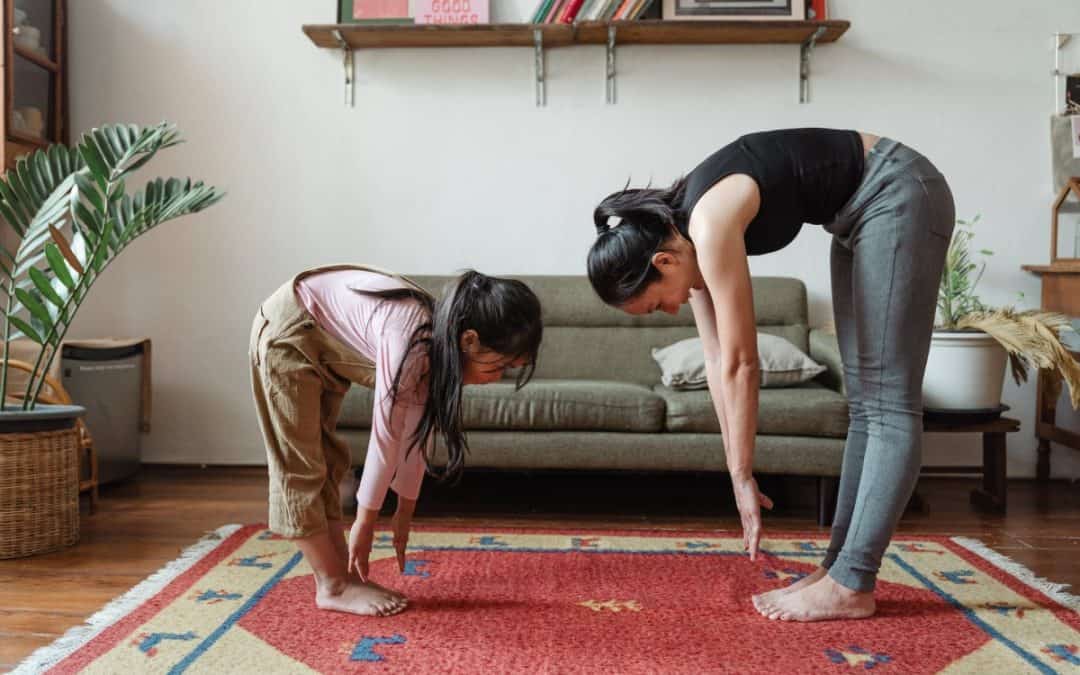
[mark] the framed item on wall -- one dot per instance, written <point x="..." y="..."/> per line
<point x="734" y="10"/>
<point x="1072" y="94"/>
<point x="373" y="11"/>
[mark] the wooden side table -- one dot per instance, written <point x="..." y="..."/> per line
<point x="1060" y="293"/>
<point x="992" y="495"/>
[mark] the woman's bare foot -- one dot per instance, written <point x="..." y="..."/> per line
<point x="764" y="602"/>
<point x="358" y="598"/>
<point x="821" y="601"/>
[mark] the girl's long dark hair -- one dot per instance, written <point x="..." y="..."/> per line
<point x="620" y="260"/>
<point x="505" y="313"/>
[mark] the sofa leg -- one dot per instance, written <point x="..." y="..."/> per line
<point x="827" y="489"/>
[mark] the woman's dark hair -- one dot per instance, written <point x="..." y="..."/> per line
<point x="620" y="260"/>
<point x="505" y="314"/>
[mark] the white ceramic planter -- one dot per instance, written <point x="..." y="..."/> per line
<point x="965" y="371"/>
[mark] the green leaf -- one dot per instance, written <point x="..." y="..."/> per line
<point x="102" y="251"/>
<point x="119" y="148"/>
<point x="61" y="290"/>
<point x="43" y="167"/>
<point x="88" y="189"/>
<point x="26" y="330"/>
<point x="36" y="308"/>
<point x="59" y="265"/>
<point x="94" y="161"/>
<point x="97" y="137"/>
<point x="90" y="220"/>
<point x="29" y="178"/>
<point x="15" y="180"/>
<point x="13" y="207"/>
<point x="44" y="285"/>
<point x="117" y="191"/>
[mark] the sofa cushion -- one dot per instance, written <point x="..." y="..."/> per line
<point x="782" y="364"/>
<point x="805" y="410"/>
<point x="543" y="405"/>
<point x="566" y="405"/>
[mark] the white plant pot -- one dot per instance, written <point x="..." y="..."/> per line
<point x="965" y="371"/>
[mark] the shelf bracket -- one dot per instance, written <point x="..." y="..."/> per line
<point x="804" y="63"/>
<point x="609" y="76"/>
<point x="349" y="66"/>
<point x="538" y="68"/>
<point x="1061" y="40"/>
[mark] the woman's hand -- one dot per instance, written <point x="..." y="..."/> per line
<point x="361" y="536"/>
<point x="749" y="500"/>
<point x="401" y="523"/>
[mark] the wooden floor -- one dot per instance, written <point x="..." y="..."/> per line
<point x="144" y="523"/>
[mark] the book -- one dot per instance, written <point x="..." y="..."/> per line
<point x="610" y="9"/>
<point x="635" y="10"/>
<point x="583" y="13"/>
<point x="541" y="11"/>
<point x="451" y="11"/>
<point x="556" y="7"/>
<point x="570" y="11"/>
<point x="620" y="13"/>
<point x="366" y="10"/>
<point x="816" y="10"/>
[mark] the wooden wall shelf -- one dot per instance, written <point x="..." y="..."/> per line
<point x="807" y="34"/>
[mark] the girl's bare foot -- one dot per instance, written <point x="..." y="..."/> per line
<point x="764" y="602"/>
<point x="358" y="598"/>
<point x="384" y="589"/>
<point x="821" y="601"/>
<point x="336" y="588"/>
<point x="342" y="533"/>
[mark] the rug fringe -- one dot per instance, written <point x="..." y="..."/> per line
<point x="1053" y="590"/>
<point x="48" y="656"/>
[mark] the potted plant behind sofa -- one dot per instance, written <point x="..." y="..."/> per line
<point x="68" y="215"/>
<point x="971" y="342"/>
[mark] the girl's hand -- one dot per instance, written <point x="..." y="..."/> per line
<point x="749" y="501"/>
<point x="401" y="523"/>
<point x="361" y="536"/>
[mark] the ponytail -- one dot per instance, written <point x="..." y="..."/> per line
<point x="620" y="260"/>
<point x="505" y="314"/>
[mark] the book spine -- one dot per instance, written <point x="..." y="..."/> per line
<point x="571" y="11"/>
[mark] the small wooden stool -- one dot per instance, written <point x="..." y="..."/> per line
<point x="992" y="497"/>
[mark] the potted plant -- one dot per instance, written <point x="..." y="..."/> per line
<point x="971" y="343"/>
<point x="68" y="214"/>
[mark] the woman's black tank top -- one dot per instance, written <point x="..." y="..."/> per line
<point x="804" y="176"/>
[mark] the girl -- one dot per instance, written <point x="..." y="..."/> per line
<point x="330" y="327"/>
<point x="891" y="216"/>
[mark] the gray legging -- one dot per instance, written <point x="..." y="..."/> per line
<point x="888" y="251"/>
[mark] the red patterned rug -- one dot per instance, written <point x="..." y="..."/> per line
<point x="528" y="601"/>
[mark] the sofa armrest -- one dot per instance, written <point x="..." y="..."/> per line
<point x="825" y="350"/>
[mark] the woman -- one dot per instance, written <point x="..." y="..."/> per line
<point x="891" y="216"/>
<point x="332" y="326"/>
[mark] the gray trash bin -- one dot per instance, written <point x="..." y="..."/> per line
<point x="107" y="381"/>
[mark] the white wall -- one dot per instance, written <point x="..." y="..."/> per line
<point x="445" y="162"/>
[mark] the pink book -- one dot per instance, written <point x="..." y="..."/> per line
<point x="380" y="9"/>
<point x="451" y="11"/>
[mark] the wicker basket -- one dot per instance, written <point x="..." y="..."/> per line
<point x="39" y="492"/>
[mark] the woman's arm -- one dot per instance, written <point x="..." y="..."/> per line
<point x="724" y="312"/>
